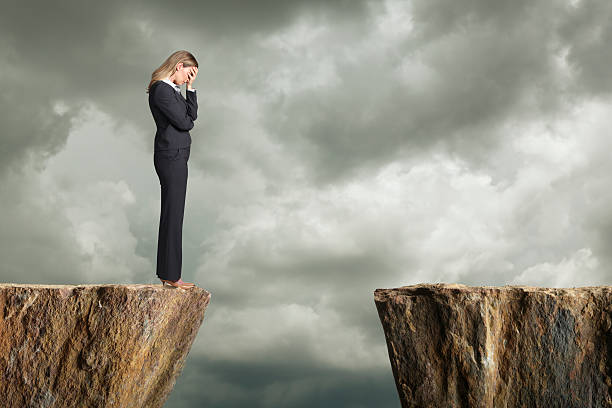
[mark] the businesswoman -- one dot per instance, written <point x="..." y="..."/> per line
<point x="174" y="116"/>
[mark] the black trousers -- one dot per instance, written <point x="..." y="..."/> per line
<point x="171" y="168"/>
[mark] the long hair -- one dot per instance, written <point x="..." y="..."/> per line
<point x="167" y="68"/>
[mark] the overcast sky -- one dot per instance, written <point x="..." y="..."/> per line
<point x="340" y="147"/>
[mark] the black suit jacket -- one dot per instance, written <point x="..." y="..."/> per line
<point x="173" y="115"/>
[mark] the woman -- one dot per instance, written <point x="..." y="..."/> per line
<point x="174" y="116"/>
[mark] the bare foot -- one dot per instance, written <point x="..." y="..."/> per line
<point x="183" y="283"/>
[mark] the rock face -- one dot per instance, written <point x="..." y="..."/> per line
<point x="509" y="346"/>
<point x="94" y="345"/>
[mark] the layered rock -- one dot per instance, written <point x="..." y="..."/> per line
<point x="94" y="345"/>
<point x="510" y="346"/>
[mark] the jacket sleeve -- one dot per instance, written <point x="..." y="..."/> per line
<point x="174" y="110"/>
<point x="192" y="104"/>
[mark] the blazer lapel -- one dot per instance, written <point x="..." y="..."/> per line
<point x="179" y="96"/>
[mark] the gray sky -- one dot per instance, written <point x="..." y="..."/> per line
<point x="340" y="147"/>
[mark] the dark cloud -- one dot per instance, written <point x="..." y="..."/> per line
<point x="587" y="34"/>
<point x="219" y="384"/>
<point x="106" y="52"/>
<point x="238" y="19"/>
<point x="484" y="65"/>
<point x="35" y="245"/>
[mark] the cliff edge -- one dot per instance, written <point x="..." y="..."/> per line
<point x="453" y="345"/>
<point x="94" y="345"/>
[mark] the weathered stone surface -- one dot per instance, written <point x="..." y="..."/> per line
<point x="94" y="345"/>
<point x="453" y="345"/>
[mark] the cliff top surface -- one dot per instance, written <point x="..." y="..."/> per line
<point x="133" y="286"/>
<point x="431" y="288"/>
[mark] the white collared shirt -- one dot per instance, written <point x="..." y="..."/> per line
<point x="175" y="86"/>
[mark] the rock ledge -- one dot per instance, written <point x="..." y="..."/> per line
<point x="104" y="345"/>
<point x="452" y="345"/>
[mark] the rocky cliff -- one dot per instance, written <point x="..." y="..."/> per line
<point x="509" y="346"/>
<point x="94" y="345"/>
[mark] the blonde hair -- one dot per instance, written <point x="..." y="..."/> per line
<point x="168" y="67"/>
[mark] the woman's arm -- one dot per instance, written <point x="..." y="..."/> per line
<point x="192" y="97"/>
<point x="175" y="111"/>
<point x="192" y="104"/>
